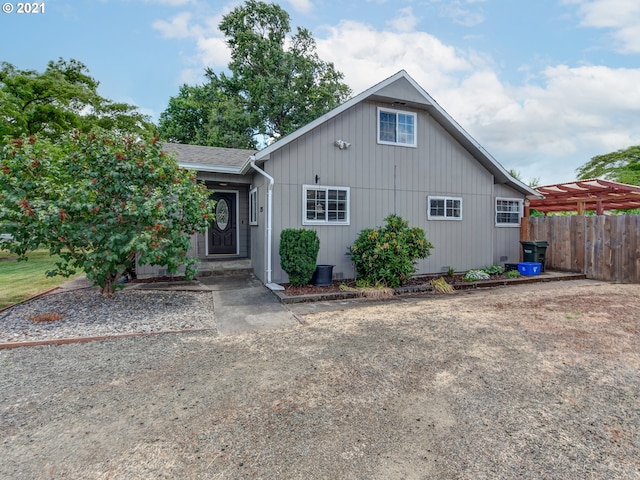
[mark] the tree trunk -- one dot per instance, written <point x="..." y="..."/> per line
<point x="109" y="287"/>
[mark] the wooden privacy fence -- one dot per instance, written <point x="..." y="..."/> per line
<point x="602" y="247"/>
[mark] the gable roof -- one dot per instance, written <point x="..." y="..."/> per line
<point x="209" y="159"/>
<point x="385" y="91"/>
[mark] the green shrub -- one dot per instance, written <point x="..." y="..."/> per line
<point x="298" y="254"/>
<point x="475" y="275"/>
<point x="387" y="255"/>
<point x="512" y="274"/>
<point x="493" y="269"/>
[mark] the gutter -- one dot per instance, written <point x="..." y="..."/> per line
<point x="268" y="249"/>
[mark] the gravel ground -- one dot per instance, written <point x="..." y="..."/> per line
<point x="85" y="313"/>
<point x="537" y="381"/>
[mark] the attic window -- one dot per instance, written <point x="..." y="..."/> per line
<point x="396" y="127"/>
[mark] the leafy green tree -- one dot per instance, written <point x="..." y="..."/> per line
<point x="204" y="115"/>
<point x="62" y="98"/>
<point x="98" y="200"/>
<point x="620" y="166"/>
<point x="533" y="183"/>
<point x="277" y="82"/>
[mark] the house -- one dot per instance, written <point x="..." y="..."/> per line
<point x="391" y="149"/>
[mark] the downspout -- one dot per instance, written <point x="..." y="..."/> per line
<point x="269" y="221"/>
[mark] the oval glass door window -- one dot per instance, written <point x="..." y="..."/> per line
<point x="222" y="214"/>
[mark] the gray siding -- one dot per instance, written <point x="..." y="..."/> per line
<point x="507" y="239"/>
<point x="383" y="180"/>
<point x="258" y="233"/>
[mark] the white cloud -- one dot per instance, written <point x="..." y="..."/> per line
<point x="620" y="16"/>
<point x="302" y="6"/>
<point x="405" y="21"/>
<point x="213" y="52"/>
<point x="462" y="12"/>
<point x="178" y="27"/>
<point x="366" y="55"/>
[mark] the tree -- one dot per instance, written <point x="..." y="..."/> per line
<point x="277" y="81"/>
<point x="98" y="200"/>
<point x="62" y="98"/>
<point x="620" y="166"/>
<point x="203" y="115"/>
<point x="533" y="183"/>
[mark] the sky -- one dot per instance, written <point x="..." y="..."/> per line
<point x="542" y="85"/>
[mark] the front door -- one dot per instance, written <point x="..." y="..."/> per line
<point x="223" y="234"/>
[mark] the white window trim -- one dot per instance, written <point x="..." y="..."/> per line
<point x="520" y="212"/>
<point x="445" y="217"/>
<point x="404" y="112"/>
<point x="253" y="206"/>
<point x="305" y="221"/>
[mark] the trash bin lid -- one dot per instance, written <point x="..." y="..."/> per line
<point x="534" y="243"/>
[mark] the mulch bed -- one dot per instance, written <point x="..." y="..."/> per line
<point x="420" y="280"/>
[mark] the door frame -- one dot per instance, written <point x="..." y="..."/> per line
<point x="237" y="219"/>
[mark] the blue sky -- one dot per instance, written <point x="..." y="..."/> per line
<point x="543" y="85"/>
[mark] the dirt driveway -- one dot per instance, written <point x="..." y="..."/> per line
<point x="537" y="381"/>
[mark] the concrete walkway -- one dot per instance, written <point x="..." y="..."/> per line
<point x="241" y="303"/>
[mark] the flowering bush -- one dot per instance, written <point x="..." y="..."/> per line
<point x="387" y="255"/>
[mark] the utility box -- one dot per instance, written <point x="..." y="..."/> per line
<point x="534" y="252"/>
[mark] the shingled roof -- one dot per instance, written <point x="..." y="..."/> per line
<point x="209" y="159"/>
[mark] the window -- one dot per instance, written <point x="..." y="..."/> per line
<point x="508" y="212"/>
<point x="253" y="207"/>
<point x="444" y="208"/>
<point x="396" y="127"/>
<point x="325" y="205"/>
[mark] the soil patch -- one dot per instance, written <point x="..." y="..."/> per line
<point x="531" y="381"/>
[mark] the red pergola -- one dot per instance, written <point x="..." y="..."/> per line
<point x="582" y="195"/>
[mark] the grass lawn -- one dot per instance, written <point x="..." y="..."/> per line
<point x="21" y="280"/>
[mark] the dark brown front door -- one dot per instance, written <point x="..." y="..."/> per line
<point x="223" y="235"/>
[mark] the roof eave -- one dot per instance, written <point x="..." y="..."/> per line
<point x="211" y="168"/>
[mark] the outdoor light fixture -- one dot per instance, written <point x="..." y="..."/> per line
<point x="342" y="145"/>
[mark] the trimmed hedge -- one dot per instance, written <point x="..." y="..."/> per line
<point x="298" y="254"/>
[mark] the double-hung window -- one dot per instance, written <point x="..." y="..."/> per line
<point x="508" y="212"/>
<point x="444" y="208"/>
<point x="253" y="207"/>
<point x="325" y="205"/>
<point x="396" y="127"/>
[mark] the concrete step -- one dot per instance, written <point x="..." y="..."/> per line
<point x="238" y="266"/>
